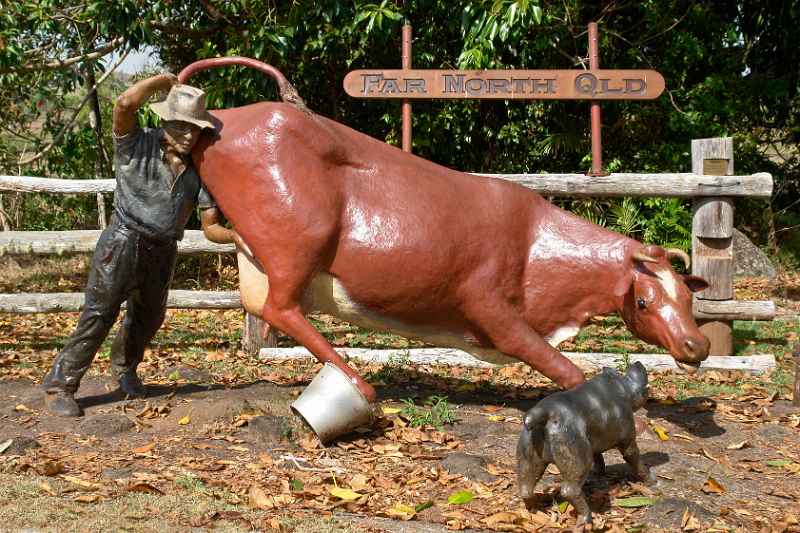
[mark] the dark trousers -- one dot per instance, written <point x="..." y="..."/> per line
<point x="126" y="265"/>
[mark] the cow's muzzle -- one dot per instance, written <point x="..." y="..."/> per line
<point x="689" y="368"/>
<point x="694" y="351"/>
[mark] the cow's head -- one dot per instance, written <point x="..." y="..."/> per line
<point x="657" y="305"/>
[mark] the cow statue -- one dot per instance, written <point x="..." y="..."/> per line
<point x="337" y="222"/>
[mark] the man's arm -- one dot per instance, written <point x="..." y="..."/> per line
<point x="129" y="102"/>
<point x="210" y="221"/>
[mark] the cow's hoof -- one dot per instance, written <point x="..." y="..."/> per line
<point x="131" y="386"/>
<point x="62" y="403"/>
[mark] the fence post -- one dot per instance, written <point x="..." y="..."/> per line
<point x="712" y="238"/>
<point x="253" y="338"/>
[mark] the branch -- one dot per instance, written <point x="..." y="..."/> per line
<point x="58" y="64"/>
<point x="68" y="125"/>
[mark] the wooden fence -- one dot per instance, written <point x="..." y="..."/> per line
<point x="711" y="185"/>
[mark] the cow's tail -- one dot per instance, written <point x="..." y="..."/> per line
<point x="287" y="91"/>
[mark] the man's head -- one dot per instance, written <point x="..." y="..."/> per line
<point x="183" y="116"/>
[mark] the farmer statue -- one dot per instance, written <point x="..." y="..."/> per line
<point x="157" y="190"/>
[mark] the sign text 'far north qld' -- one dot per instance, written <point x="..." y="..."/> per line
<point x="506" y="84"/>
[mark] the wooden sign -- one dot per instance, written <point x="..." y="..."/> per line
<point x="506" y="84"/>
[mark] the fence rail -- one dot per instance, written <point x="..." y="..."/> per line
<point x="665" y="185"/>
<point x="709" y="184"/>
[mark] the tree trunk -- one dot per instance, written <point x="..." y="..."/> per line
<point x="103" y="166"/>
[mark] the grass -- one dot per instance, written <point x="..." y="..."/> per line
<point x="436" y="412"/>
<point x="190" y="506"/>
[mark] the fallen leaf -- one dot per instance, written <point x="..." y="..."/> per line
<point x="344" y="494"/>
<point x="689" y="522"/>
<point x="460" y="498"/>
<point x="422" y="506"/>
<point x="258" y="498"/>
<point x="143" y="487"/>
<point x="635" y="501"/>
<point x="6" y="445"/>
<point x="502" y="518"/>
<point x="777" y="463"/>
<point x="359" y="482"/>
<point x="553" y="469"/>
<point x="45" y="486"/>
<point x="215" y="356"/>
<point x="146" y="448"/>
<point x="80" y="482"/>
<point x="496" y="418"/>
<point x="184" y="421"/>
<point x="402" y="511"/>
<point x="705" y="453"/>
<point x="738" y="445"/>
<point x="661" y="432"/>
<point x="49" y="468"/>
<point x="713" y="486"/>
<point x="87" y="498"/>
<point x="22" y="407"/>
<point x="391" y="410"/>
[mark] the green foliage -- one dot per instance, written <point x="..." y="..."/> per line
<point x="730" y="69"/>
<point x="436" y="412"/>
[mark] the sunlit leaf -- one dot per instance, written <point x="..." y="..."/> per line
<point x="460" y="498"/>
<point x="661" y="432"/>
<point x="344" y="494"/>
<point x="635" y="501"/>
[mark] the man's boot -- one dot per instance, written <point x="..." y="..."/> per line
<point x="62" y="403"/>
<point x="131" y="386"/>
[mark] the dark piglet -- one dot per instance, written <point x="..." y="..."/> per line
<point x="573" y="428"/>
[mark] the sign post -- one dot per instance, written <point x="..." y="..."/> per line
<point x="593" y="85"/>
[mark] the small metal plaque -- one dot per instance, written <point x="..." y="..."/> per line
<point x="506" y="84"/>
<point x="715" y="167"/>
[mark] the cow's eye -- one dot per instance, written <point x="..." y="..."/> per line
<point x="640" y="302"/>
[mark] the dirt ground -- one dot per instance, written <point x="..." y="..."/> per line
<point x="201" y="454"/>
<point x="215" y="445"/>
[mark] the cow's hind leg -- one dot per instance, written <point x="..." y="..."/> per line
<point x="283" y="311"/>
<point x="510" y="334"/>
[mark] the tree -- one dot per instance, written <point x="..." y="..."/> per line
<point x="723" y="62"/>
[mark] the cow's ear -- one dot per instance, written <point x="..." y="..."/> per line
<point x="623" y="285"/>
<point x="695" y="283"/>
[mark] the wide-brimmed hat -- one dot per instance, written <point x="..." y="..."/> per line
<point x="185" y="103"/>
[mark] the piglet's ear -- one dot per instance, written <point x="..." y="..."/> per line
<point x="695" y="283"/>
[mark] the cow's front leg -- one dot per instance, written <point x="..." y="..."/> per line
<point x="287" y="315"/>
<point x="510" y="334"/>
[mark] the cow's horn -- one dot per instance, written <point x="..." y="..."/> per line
<point x="675" y="253"/>
<point x="643" y="257"/>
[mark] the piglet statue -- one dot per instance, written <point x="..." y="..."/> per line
<point x="573" y="428"/>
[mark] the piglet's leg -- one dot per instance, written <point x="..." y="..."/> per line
<point x="599" y="464"/>
<point x="530" y="467"/>
<point x="510" y="334"/>
<point x="630" y="452"/>
<point x="573" y="455"/>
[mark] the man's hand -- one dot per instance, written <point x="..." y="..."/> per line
<point x="210" y="221"/>
<point x="132" y="99"/>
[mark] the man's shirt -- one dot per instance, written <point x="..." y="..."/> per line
<point x="149" y="198"/>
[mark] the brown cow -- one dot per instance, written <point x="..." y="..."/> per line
<point x="349" y="225"/>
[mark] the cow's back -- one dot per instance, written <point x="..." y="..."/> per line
<point x="409" y="233"/>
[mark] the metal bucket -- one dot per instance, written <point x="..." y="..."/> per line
<point x="332" y="405"/>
